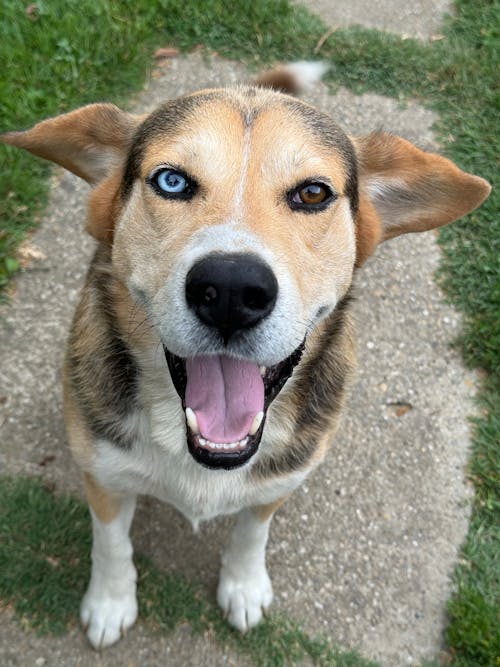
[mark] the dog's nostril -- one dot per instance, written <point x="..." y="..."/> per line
<point x="210" y="294"/>
<point x="255" y="298"/>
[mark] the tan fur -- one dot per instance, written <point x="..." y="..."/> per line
<point x="104" y="207"/>
<point x="279" y="79"/>
<point x="79" y="436"/>
<point x="133" y="323"/>
<point x="368" y="230"/>
<point x="265" y="512"/>
<point x="104" y="504"/>
<point x="312" y="249"/>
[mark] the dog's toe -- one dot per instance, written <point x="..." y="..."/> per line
<point x="243" y="598"/>
<point x="107" y="618"/>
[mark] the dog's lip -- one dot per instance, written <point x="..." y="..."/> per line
<point x="223" y="455"/>
<point x="211" y="457"/>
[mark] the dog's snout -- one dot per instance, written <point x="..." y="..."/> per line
<point x="231" y="292"/>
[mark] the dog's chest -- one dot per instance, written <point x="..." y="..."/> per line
<point x="159" y="463"/>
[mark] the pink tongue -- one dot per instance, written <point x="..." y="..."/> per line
<point x="225" y="394"/>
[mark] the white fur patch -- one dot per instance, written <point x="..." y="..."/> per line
<point x="245" y="590"/>
<point x="237" y="213"/>
<point x="307" y="73"/>
<point x="109" y="607"/>
<point x="396" y="202"/>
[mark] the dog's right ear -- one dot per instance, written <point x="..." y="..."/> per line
<point x="403" y="189"/>
<point x="91" y="141"/>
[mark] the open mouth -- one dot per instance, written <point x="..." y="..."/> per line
<point x="225" y="401"/>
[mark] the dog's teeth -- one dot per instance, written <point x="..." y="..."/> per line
<point x="192" y="421"/>
<point x="257" y="421"/>
<point x="262" y="370"/>
<point x="225" y="446"/>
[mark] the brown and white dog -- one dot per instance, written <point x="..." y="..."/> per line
<point x="212" y="346"/>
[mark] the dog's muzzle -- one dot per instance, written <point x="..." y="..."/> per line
<point x="226" y="398"/>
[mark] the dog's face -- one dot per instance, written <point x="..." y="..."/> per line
<point x="236" y="236"/>
<point x="236" y="219"/>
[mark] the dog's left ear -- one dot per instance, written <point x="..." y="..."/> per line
<point x="404" y="189"/>
<point x="91" y="141"/>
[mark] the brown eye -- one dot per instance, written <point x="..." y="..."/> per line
<point x="311" y="194"/>
<point x="310" y="197"/>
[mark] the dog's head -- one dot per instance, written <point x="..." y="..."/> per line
<point x="236" y="219"/>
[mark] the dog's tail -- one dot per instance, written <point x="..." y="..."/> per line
<point x="293" y="78"/>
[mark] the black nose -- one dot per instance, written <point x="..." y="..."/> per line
<point x="231" y="292"/>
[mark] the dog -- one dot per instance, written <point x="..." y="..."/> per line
<point x="212" y="348"/>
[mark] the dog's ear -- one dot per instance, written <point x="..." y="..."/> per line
<point x="404" y="189"/>
<point x="91" y="141"/>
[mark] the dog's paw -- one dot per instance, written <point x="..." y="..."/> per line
<point x="244" y="597"/>
<point x="106" y="617"/>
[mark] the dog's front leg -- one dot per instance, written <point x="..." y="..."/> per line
<point x="109" y="607"/>
<point x="245" y="589"/>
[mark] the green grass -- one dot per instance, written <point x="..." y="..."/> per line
<point x="101" y="50"/>
<point x="45" y="564"/>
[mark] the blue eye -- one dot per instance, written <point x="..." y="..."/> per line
<point x="171" y="181"/>
<point x="172" y="184"/>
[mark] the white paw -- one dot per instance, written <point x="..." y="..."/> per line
<point x="107" y="616"/>
<point x="244" y="596"/>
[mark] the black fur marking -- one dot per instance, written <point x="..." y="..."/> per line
<point x="103" y="377"/>
<point x="325" y="375"/>
<point x="320" y="386"/>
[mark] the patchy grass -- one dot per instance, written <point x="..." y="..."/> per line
<point x="73" y="53"/>
<point x="45" y="564"/>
